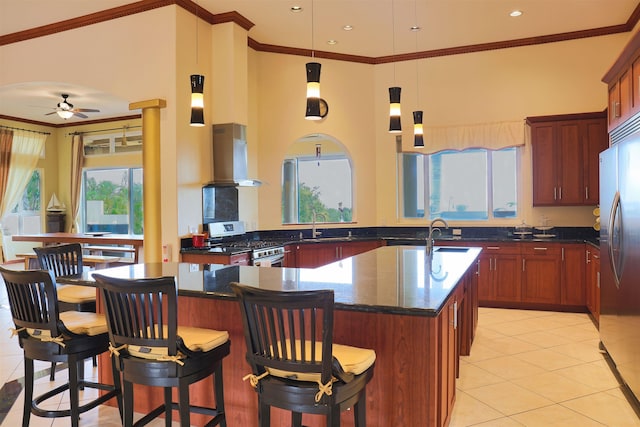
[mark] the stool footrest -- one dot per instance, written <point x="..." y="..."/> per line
<point x="48" y="413"/>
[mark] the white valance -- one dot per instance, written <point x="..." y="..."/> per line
<point x="491" y="136"/>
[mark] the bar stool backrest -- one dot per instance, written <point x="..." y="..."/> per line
<point x="61" y="260"/>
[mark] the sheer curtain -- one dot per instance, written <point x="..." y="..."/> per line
<point x="25" y="152"/>
<point x="77" y="162"/>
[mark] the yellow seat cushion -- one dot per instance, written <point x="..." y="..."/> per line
<point x="195" y="339"/>
<point x="85" y="323"/>
<point x="354" y="360"/>
<point x="76" y="294"/>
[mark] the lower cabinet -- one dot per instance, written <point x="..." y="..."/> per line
<point x="448" y="351"/>
<point x="574" y="275"/>
<point x="499" y="273"/>
<point x="541" y="273"/>
<point x="593" y="281"/>
<point x="313" y="254"/>
<point x="210" y="258"/>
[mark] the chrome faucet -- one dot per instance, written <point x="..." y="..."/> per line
<point x="314" y="216"/>
<point x="431" y="230"/>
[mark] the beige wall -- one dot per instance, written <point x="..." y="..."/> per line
<point x="131" y="59"/>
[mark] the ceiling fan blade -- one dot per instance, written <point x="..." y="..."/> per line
<point x="77" y="114"/>
<point x="53" y="112"/>
<point x="85" y="110"/>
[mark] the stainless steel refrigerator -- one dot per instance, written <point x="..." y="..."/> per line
<point x="620" y="257"/>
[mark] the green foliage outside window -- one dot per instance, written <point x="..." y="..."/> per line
<point x="309" y="200"/>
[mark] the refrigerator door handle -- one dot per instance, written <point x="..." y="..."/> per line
<point x="615" y="207"/>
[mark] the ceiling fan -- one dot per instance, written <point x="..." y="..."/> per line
<point x="65" y="109"/>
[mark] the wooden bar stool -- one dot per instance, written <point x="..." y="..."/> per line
<point x="66" y="260"/>
<point x="47" y="334"/>
<point x="151" y="349"/>
<point x="294" y="363"/>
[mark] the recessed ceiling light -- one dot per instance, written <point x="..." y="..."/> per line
<point x="296" y="9"/>
<point x="347" y="28"/>
<point x="515" y="13"/>
<point x="415" y="28"/>
<point x="332" y="42"/>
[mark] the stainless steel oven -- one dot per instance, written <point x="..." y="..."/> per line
<point x="271" y="256"/>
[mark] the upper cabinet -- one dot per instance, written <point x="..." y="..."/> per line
<point x="565" y="150"/>
<point x="623" y="80"/>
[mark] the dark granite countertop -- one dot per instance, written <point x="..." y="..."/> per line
<point x="390" y="279"/>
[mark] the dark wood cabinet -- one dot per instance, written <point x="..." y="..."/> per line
<point x="565" y="152"/>
<point x="592" y="257"/>
<point x="211" y="258"/>
<point x="499" y="273"/>
<point x="541" y="273"/>
<point x="314" y="254"/>
<point x="573" y="288"/>
<point x="448" y="346"/>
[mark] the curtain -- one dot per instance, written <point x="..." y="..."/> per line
<point x="77" y="163"/>
<point x="491" y="136"/>
<point x="6" y="139"/>
<point x="25" y="152"/>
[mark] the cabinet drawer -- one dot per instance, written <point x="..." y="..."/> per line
<point x="501" y="248"/>
<point x="542" y="248"/>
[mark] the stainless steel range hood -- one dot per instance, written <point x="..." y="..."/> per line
<point x="230" y="156"/>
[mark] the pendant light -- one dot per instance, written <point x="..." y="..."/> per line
<point x="395" y="123"/>
<point x="418" y="131"/>
<point x="313" y="82"/>
<point x="197" y="90"/>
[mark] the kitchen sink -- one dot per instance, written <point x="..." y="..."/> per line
<point x="451" y="249"/>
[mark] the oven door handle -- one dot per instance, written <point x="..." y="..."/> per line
<point x="269" y="261"/>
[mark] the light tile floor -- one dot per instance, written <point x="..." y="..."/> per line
<point x="526" y="368"/>
<point x="538" y="368"/>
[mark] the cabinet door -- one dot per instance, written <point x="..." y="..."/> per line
<point x="486" y="286"/>
<point x="448" y="356"/>
<point x="596" y="284"/>
<point x="541" y="276"/>
<point x="544" y="162"/>
<point x="313" y="255"/>
<point x="569" y="157"/>
<point x="573" y="275"/>
<point x="614" y="105"/>
<point x="348" y="249"/>
<point x="290" y="256"/>
<point x="595" y="141"/>
<point x="506" y="276"/>
<point x="589" y="279"/>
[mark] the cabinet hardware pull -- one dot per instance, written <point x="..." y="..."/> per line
<point x="478" y="265"/>
<point x="523" y="261"/>
<point x="586" y="193"/>
<point x="562" y="254"/>
<point x="616" y="109"/>
<point x="598" y="279"/>
<point x="455" y="315"/>
<point x="540" y="249"/>
<point x="560" y="192"/>
<point x="555" y="193"/>
<point x="493" y="247"/>
<point x="587" y="256"/>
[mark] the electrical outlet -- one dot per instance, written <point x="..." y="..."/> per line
<point x="457" y="232"/>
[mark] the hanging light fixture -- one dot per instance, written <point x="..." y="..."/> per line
<point x="418" y="131"/>
<point x="197" y="100"/>
<point x="395" y="123"/>
<point x="197" y="90"/>
<point x="313" y="82"/>
<point x="313" y="91"/>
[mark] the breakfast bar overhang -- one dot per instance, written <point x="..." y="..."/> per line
<point x="417" y="312"/>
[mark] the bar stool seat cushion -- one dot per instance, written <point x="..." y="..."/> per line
<point x="353" y="360"/>
<point x="84" y="322"/>
<point x="195" y="339"/>
<point x="76" y="294"/>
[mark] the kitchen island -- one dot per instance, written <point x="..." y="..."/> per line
<point x="416" y="312"/>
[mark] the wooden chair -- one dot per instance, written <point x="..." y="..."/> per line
<point x="294" y="363"/>
<point x="47" y="334"/>
<point x="66" y="260"/>
<point x="151" y="349"/>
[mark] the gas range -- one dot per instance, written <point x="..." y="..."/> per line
<point x="263" y="252"/>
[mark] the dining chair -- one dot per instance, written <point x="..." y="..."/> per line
<point x="150" y="348"/>
<point x="294" y="363"/>
<point x="47" y="334"/>
<point x="66" y="260"/>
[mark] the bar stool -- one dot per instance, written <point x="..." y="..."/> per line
<point x="49" y="335"/>
<point x="66" y="260"/>
<point x="294" y="363"/>
<point x="151" y="349"/>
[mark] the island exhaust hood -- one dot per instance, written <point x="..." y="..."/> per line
<point x="230" y="156"/>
